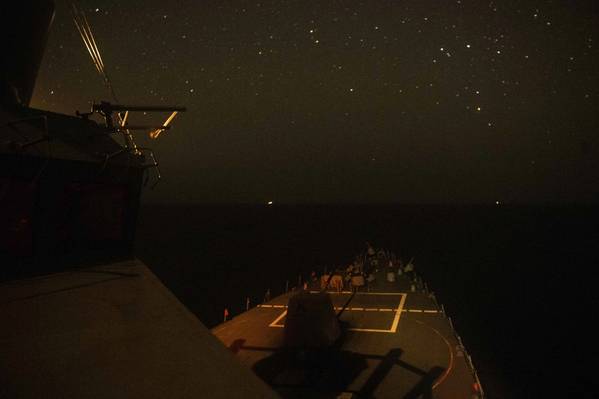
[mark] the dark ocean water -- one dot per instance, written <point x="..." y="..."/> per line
<point x="518" y="281"/>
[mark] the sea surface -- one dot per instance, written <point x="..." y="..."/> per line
<point x="518" y="281"/>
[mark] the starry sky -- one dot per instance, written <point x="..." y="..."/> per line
<point x="349" y="101"/>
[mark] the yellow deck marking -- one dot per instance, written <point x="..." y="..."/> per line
<point x="276" y="322"/>
<point x="359" y="293"/>
<point x="394" y="325"/>
<point x="364" y="309"/>
<point x="398" y="313"/>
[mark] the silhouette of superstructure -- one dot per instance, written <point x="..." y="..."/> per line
<point x="69" y="190"/>
<point x="80" y="318"/>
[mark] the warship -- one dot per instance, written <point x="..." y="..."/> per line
<point x="82" y="317"/>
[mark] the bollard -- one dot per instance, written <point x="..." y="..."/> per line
<point x="287" y="286"/>
<point x="267" y="295"/>
<point x="247" y="303"/>
<point x="225" y="314"/>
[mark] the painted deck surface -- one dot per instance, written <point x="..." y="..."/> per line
<point x="396" y="344"/>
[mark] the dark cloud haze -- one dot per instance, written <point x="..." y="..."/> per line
<point x="346" y="101"/>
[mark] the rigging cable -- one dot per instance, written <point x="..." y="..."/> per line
<point x="87" y="36"/>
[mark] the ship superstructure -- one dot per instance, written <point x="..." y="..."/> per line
<point x="70" y="186"/>
<point x="81" y="318"/>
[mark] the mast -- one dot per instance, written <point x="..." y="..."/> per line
<point x="24" y="28"/>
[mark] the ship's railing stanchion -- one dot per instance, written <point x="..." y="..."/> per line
<point x="470" y="361"/>
<point x="434" y="298"/>
<point x="479" y="387"/>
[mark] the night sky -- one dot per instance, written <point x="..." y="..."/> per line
<point x="345" y="101"/>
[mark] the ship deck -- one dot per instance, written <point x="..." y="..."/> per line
<point x="111" y="331"/>
<point x="395" y="343"/>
